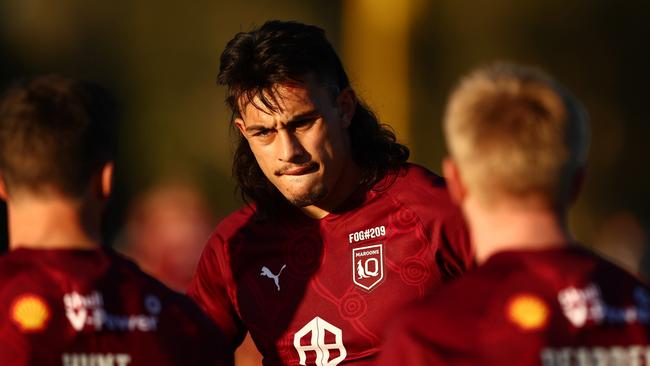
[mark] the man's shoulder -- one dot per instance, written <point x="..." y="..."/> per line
<point x="415" y="174"/>
<point x="470" y="294"/>
<point x="9" y="266"/>
<point x="516" y="289"/>
<point x="127" y="274"/>
<point x="236" y="221"/>
<point x="133" y="283"/>
<point x="565" y="266"/>
<point x="118" y="290"/>
<point x="542" y="274"/>
<point x="515" y="298"/>
<point x="422" y="190"/>
<point x="246" y="225"/>
<point x="449" y="314"/>
<point x="27" y="297"/>
<point x="467" y="292"/>
<point x="14" y="269"/>
<point x="580" y="266"/>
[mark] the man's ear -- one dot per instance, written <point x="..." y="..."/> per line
<point x="455" y="184"/>
<point x="107" y="179"/>
<point x="347" y="104"/>
<point x="241" y="126"/>
<point x="3" y="188"/>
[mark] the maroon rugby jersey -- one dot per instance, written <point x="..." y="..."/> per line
<point x="563" y="306"/>
<point x="93" y="307"/>
<point x="320" y="292"/>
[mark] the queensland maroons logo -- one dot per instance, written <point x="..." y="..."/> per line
<point x="368" y="266"/>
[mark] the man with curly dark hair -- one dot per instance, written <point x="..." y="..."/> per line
<point x="339" y="231"/>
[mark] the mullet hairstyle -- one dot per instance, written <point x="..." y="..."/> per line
<point x="55" y="133"/>
<point x="254" y="63"/>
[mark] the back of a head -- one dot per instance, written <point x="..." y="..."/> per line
<point x="55" y="133"/>
<point x="514" y="131"/>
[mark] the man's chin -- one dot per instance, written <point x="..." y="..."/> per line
<point x="307" y="199"/>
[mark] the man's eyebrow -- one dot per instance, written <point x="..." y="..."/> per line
<point x="302" y="117"/>
<point x="255" y="128"/>
<point x="310" y="114"/>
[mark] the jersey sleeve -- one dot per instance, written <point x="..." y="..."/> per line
<point x="442" y="221"/>
<point x="211" y="346"/>
<point x="210" y="289"/>
<point x="454" y="254"/>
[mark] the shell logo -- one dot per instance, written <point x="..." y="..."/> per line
<point x="528" y="311"/>
<point x="30" y="313"/>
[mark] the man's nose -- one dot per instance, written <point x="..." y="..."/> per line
<point x="291" y="149"/>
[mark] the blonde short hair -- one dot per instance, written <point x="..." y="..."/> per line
<point x="513" y="130"/>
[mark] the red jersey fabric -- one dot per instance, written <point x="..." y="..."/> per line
<point x="320" y="292"/>
<point x="94" y="307"/>
<point x="563" y="306"/>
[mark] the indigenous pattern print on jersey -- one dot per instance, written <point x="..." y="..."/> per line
<point x="93" y="307"/>
<point x="555" y="307"/>
<point x="320" y="292"/>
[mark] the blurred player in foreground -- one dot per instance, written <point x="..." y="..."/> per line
<point x="64" y="300"/>
<point x="518" y="143"/>
<point x="341" y="231"/>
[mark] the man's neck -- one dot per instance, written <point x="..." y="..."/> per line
<point x="348" y="183"/>
<point x="52" y="223"/>
<point x="513" y="227"/>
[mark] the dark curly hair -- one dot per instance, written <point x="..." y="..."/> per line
<point x="255" y="62"/>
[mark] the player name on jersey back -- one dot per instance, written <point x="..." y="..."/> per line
<point x="96" y="359"/>
<point x="636" y="355"/>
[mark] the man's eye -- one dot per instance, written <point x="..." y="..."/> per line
<point x="263" y="133"/>
<point x="305" y="123"/>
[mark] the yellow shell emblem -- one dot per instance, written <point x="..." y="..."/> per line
<point x="30" y="313"/>
<point x="528" y="311"/>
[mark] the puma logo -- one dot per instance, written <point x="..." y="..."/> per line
<point x="276" y="278"/>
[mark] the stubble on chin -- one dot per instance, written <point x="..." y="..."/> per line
<point x="310" y="198"/>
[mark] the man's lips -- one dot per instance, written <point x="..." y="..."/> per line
<point x="297" y="170"/>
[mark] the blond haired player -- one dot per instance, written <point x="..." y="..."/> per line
<point x="518" y="144"/>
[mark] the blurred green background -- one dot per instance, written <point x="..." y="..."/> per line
<point x="160" y="58"/>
